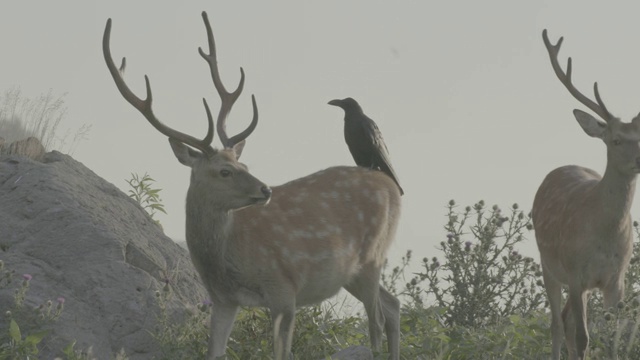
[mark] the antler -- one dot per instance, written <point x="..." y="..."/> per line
<point x="565" y="78"/>
<point x="227" y="98"/>
<point x="144" y="106"/>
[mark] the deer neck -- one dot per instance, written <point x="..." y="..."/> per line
<point x="615" y="192"/>
<point x="208" y="229"/>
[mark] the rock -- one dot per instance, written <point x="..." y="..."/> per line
<point x="353" y="353"/>
<point x="30" y="147"/>
<point x="83" y="239"/>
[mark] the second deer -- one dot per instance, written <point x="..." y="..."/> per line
<point x="582" y="221"/>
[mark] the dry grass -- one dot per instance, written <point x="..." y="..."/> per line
<point x="40" y="117"/>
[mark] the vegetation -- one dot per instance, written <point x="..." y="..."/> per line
<point x="143" y="192"/>
<point x="477" y="299"/>
<point x="22" y="117"/>
<point x="25" y="326"/>
<point x="483" y="300"/>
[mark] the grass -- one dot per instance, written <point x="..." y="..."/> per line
<point x="480" y="299"/>
<point x="40" y="117"/>
<point x="444" y="312"/>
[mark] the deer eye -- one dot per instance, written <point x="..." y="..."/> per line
<point x="225" y="173"/>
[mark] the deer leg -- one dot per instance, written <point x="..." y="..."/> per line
<point x="569" y="329"/>
<point x="612" y="295"/>
<point x="283" y="322"/>
<point x="577" y="298"/>
<point x="554" y="294"/>
<point x="391" y="310"/>
<point x="365" y="288"/>
<point x="222" y="318"/>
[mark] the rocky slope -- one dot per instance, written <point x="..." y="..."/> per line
<point x="82" y="239"/>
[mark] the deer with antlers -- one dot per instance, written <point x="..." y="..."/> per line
<point x="318" y="234"/>
<point x="582" y="222"/>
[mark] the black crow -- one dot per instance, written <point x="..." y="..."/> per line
<point x="364" y="139"/>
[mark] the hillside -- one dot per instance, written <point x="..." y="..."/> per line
<point x="82" y="239"/>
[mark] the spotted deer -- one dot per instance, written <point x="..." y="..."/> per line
<point x="582" y="222"/>
<point x="283" y="247"/>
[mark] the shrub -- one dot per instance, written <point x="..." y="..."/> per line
<point x="482" y="278"/>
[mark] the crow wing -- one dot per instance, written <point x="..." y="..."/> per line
<point x="378" y="150"/>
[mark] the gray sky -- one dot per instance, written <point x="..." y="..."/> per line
<point x="462" y="90"/>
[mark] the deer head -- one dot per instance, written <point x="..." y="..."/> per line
<point x="214" y="171"/>
<point x="622" y="139"/>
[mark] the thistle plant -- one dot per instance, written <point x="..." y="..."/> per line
<point x="25" y="326"/>
<point x="482" y="278"/>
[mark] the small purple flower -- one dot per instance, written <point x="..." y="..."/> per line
<point x="207" y="302"/>
<point x="27" y="277"/>
<point x="60" y="304"/>
<point x="449" y="236"/>
<point x="467" y="243"/>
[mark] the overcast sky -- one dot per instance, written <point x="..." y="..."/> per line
<point x="462" y="91"/>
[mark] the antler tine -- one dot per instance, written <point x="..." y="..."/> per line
<point x="144" y="106"/>
<point x="227" y="98"/>
<point x="599" y="100"/>
<point x="565" y="79"/>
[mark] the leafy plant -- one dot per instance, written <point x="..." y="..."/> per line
<point x="143" y="193"/>
<point x="21" y="341"/>
<point x="18" y="347"/>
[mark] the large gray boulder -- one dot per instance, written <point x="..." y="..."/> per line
<point x="83" y="239"/>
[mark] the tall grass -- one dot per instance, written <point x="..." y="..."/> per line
<point x="40" y="117"/>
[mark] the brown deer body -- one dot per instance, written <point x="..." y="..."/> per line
<point x="582" y="221"/>
<point x="317" y="234"/>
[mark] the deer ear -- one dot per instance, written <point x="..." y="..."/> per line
<point x="592" y="126"/>
<point x="186" y="155"/>
<point x="237" y="148"/>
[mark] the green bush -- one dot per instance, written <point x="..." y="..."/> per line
<point x="482" y="278"/>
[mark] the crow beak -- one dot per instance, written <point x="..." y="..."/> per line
<point x="335" y="102"/>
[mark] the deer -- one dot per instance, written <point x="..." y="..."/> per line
<point x="278" y="247"/>
<point x="582" y="220"/>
